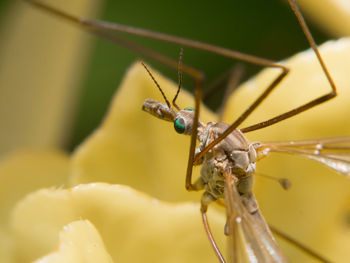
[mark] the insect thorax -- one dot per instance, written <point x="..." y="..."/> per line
<point x="234" y="154"/>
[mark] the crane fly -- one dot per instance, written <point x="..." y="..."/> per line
<point x="227" y="171"/>
<point x="226" y="156"/>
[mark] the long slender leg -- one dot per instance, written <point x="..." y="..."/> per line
<point x="179" y="75"/>
<point x="198" y="97"/>
<point x="230" y="80"/>
<point x="209" y="234"/>
<point x="220" y="81"/>
<point x="245" y="114"/>
<point x="290" y="113"/>
<point x="233" y="82"/>
<point x="217" y="84"/>
<point x="312" y="103"/>
<point x="102" y="26"/>
<point x="105" y="29"/>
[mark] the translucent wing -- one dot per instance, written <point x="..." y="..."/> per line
<point x="332" y="152"/>
<point x="250" y="239"/>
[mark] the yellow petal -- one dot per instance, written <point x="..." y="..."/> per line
<point x="314" y="211"/>
<point x="6" y="246"/>
<point x="331" y="15"/>
<point x="134" y="227"/>
<point x="20" y="173"/>
<point x="26" y="171"/>
<point x="79" y="242"/>
<point x="134" y="148"/>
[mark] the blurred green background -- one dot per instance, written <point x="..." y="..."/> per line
<point x="263" y="28"/>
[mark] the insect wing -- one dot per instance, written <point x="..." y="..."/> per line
<point x="332" y="152"/>
<point x="250" y="239"/>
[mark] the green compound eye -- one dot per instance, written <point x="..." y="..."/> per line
<point x="179" y="125"/>
<point x="189" y="109"/>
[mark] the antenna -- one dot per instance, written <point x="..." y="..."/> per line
<point x="154" y="80"/>
<point x="179" y="73"/>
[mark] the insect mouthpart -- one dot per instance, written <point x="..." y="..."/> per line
<point x="159" y="110"/>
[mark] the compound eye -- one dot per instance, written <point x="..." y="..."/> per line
<point x="189" y="109"/>
<point x="179" y="125"/>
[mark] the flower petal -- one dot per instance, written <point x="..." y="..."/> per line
<point x="25" y="171"/>
<point x="20" y="173"/>
<point x="133" y="226"/>
<point x="134" y="148"/>
<point x="6" y="246"/>
<point x="332" y="15"/>
<point x="79" y="242"/>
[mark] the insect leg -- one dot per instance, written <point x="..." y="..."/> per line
<point x="245" y="114"/>
<point x="204" y="208"/>
<point x="313" y="102"/>
<point x="235" y="77"/>
<point x="106" y="30"/>
<point x="228" y="81"/>
<point x="287" y="114"/>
